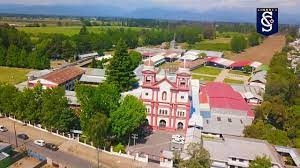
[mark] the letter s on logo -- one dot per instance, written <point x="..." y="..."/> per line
<point x="267" y="21"/>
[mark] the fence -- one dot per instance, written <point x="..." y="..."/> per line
<point x="136" y="157"/>
<point x="42" y="159"/>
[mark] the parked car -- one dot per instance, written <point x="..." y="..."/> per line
<point x="23" y="136"/>
<point x="178" y="139"/>
<point x="3" y="129"/>
<point x="39" y="142"/>
<point x="51" y="146"/>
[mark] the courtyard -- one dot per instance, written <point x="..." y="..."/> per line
<point x="155" y="143"/>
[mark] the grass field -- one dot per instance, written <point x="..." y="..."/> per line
<point x="227" y="80"/>
<point x="218" y="44"/>
<point x="203" y="78"/>
<point x="13" y="75"/>
<point x="239" y="72"/>
<point x="69" y="31"/>
<point x="207" y="70"/>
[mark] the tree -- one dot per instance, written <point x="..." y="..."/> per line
<point x="238" y="43"/>
<point x="202" y="55"/>
<point x="136" y="59"/>
<point x="12" y="55"/>
<point x="55" y="110"/>
<point x="22" y="61"/>
<point x="128" y="117"/>
<point x="2" y="56"/>
<point x="100" y="52"/>
<point x="247" y="69"/>
<point x="253" y="39"/>
<point x="102" y="99"/>
<point x="68" y="50"/>
<point x="97" y="130"/>
<point x="199" y="157"/>
<point x="119" y="71"/>
<point x="261" y="162"/>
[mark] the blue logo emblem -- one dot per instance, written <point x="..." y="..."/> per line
<point x="267" y="21"/>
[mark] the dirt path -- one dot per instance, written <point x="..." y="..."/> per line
<point x="263" y="52"/>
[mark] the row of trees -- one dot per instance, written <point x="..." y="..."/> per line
<point x="239" y="42"/>
<point x="276" y="119"/>
<point x="17" y="50"/>
<point x="47" y="107"/>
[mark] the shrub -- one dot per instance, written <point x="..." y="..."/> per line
<point x="119" y="148"/>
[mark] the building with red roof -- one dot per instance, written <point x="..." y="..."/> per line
<point x="224" y="110"/>
<point x="65" y="77"/>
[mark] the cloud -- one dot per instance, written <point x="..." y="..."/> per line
<point x="286" y="6"/>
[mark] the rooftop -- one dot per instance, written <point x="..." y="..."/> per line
<point x="239" y="147"/>
<point x="63" y="75"/>
<point x="223" y="96"/>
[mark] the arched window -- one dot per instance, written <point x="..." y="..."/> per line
<point x="180" y="125"/>
<point x="164" y="95"/>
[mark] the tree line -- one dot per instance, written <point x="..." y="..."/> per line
<point x="240" y="42"/>
<point x="17" y="50"/>
<point x="48" y="107"/>
<point x="276" y="120"/>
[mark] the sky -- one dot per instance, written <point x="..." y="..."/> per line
<point x="285" y="6"/>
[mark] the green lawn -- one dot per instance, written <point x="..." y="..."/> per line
<point x="218" y="44"/>
<point x="297" y="109"/>
<point x="232" y="81"/>
<point x="239" y="72"/>
<point x="207" y="70"/>
<point x="13" y="75"/>
<point x="69" y="31"/>
<point x="203" y="78"/>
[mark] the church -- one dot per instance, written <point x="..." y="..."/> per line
<point x="167" y="100"/>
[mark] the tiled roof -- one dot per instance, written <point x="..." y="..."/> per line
<point x="63" y="75"/>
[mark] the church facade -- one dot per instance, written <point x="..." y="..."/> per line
<point x="168" y="102"/>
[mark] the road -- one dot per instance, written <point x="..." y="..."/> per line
<point x="70" y="151"/>
<point x="57" y="156"/>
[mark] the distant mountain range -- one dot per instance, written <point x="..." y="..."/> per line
<point x="226" y="15"/>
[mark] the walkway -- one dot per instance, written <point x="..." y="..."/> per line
<point x="222" y="75"/>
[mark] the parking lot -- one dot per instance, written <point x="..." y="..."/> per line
<point x="156" y="142"/>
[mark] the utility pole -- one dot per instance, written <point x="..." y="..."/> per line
<point x="98" y="157"/>
<point x="134" y="136"/>
<point x="15" y="133"/>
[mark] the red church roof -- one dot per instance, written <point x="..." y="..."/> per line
<point x="223" y="96"/>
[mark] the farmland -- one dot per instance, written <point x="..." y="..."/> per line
<point x="69" y="31"/>
<point x="263" y="52"/>
<point x="13" y="75"/>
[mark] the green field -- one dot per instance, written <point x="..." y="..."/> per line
<point x="203" y="78"/>
<point x="232" y="81"/>
<point x="218" y="44"/>
<point x="239" y="73"/>
<point x="69" y="31"/>
<point x="207" y="70"/>
<point x="13" y="75"/>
